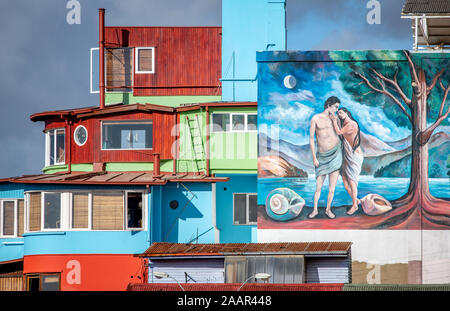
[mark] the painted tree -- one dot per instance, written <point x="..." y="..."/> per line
<point x="415" y="94"/>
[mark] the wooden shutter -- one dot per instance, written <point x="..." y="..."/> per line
<point x="145" y="60"/>
<point x="80" y="210"/>
<point x="8" y="217"/>
<point x="119" y="69"/>
<point x="35" y="211"/>
<point x="20" y="219"/>
<point x="107" y="211"/>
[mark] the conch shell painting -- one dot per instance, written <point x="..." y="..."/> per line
<point x="374" y="204"/>
<point x="284" y="204"/>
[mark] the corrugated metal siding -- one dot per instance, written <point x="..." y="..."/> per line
<point x="327" y="270"/>
<point x="187" y="59"/>
<point x="188" y="271"/>
<point x="396" y="287"/>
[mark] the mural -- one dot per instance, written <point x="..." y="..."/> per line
<point x="353" y="140"/>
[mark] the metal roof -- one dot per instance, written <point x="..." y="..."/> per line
<point x="111" y="178"/>
<point x="426" y="6"/>
<point x="209" y="287"/>
<point x="164" y="249"/>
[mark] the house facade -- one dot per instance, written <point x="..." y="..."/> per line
<point x="163" y="157"/>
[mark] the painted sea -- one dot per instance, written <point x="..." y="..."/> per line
<point x="389" y="187"/>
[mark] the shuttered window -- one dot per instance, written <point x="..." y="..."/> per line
<point x="119" y="69"/>
<point x="107" y="211"/>
<point x="20" y="218"/>
<point x="80" y="211"/>
<point x="145" y="60"/>
<point x="8" y="217"/>
<point x="35" y="212"/>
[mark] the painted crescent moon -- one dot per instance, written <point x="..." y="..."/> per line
<point x="290" y="81"/>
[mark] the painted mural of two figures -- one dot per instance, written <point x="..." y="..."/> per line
<point x="353" y="140"/>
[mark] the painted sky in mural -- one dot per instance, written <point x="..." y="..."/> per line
<point x="291" y="92"/>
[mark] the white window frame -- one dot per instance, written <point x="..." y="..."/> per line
<point x="121" y="121"/>
<point x="136" y="57"/>
<point x="89" y="227"/>
<point x="67" y="209"/>
<point x="230" y="124"/>
<point x="62" y="212"/>
<point x="75" y="138"/>
<point x="91" y="72"/>
<point x="144" y="208"/>
<point x="246" y="122"/>
<point x="14" y="235"/>
<point x="247" y="209"/>
<point x="54" y="151"/>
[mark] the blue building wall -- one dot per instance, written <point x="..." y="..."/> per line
<point x="191" y="221"/>
<point x="248" y="26"/>
<point x="229" y="232"/>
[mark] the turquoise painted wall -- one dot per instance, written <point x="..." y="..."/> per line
<point x="191" y="221"/>
<point x="229" y="232"/>
<point x="248" y="26"/>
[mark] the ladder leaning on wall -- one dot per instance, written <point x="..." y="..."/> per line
<point x="198" y="158"/>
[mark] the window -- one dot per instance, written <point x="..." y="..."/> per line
<point x="55" y="141"/>
<point x="119" y="69"/>
<point x="244" y="208"/>
<point x="127" y="135"/>
<point x="52" y="210"/>
<point x="11" y="217"/>
<point x="134" y="210"/>
<point x="80" y="135"/>
<point x="233" y="122"/>
<point x="43" y="282"/>
<point x="145" y="60"/>
<point x="85" y="210"/>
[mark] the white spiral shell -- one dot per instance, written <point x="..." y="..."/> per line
<point x="279" y="204"/>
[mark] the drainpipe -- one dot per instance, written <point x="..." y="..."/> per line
<point x="175" y="144"/>
<point x="101" y="18"/>
<point x="156" y="165"/>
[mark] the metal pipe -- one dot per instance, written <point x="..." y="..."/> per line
<point x="156" y="165"/>
<point x="207" y="141"/>
<point x="101" y="17"/>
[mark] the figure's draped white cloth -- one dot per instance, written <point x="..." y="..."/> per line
<point x="351" y="162"/>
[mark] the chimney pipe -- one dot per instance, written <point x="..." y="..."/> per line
<point x="101" y="18"/>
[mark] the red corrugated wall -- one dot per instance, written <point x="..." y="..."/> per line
<point x="187" y="59"/>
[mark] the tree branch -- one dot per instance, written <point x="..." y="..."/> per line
<point x="395" y="84"/>
<point x="426" y="135"/>
<point x="411" y="66"/>
<point x="385" y="92"/>
<point x="435" y="79"/>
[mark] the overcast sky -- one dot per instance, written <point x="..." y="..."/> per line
<point x="44" y="61"/>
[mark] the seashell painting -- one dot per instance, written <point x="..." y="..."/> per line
<point x="284" y="204"/>
<point x="374" y="204"/>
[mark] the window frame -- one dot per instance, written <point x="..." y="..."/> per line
<point x="124" y="90"/>
<point x="15" y="234"/>
<point x="54" y="151"/>
<point x="124" y="121"/>
<point x="230" y="124"/>
<point x="247" y="209"/>
<point x="144" y="208"/>
<point x="75" y="139"/>
<point x="136" y="60"/>
<point x="66" y="212"/>
<point x="41" y="276"/>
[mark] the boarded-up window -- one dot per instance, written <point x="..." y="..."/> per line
<point x="119" y="69"/>
<point x="35" y="212"/>
<point x="8" y="217"/>
<point x="80" y="211"/>
<point x="20" y="218"/>
<point x="107" y="211"/>
<point x="145" y="60"/>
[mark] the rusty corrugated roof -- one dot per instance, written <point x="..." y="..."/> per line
<point x="111" y="178"/>
<point x="210" y="287"/>
<point x="163" y="249"/>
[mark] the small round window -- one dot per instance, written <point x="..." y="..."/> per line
<point x="80" y="135"/>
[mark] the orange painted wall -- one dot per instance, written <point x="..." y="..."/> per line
<point x="89" y="272"/>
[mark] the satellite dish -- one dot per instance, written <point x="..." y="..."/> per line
<point x="290" y="81"/>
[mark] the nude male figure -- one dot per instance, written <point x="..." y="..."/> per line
<point x="328" y="157"/>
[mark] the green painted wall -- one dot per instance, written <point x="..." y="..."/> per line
<point x="172" y="101"/>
